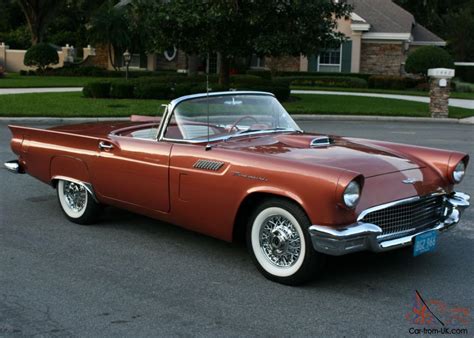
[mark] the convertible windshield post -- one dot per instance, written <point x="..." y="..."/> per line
<point x="219" y="116"/>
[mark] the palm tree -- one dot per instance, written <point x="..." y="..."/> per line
<point x="109" y="26"/>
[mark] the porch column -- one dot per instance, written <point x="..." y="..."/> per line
<point x="356" y="51"/>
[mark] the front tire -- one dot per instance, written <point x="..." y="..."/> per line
<point x="77" y="203"/>
<point x="280" y="244"/>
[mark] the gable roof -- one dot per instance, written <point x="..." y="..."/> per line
<point x="386" y="17"/>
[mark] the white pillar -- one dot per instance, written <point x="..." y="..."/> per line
<point x="3" y="55"/>
<point x="356" y="52"/>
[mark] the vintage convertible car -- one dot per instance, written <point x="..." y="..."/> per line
<point x="235" y="164"/>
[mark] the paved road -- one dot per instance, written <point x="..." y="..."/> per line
<point x="462" y="103"/>
<point x="133" y="276"/>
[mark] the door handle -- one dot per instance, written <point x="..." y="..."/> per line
<point x="105" y="146"/>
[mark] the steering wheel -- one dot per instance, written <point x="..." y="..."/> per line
<point x="241" y="119"/>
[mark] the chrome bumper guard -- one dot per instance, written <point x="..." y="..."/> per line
<point x="14" y="167"/>
<point x="362" y="236"/>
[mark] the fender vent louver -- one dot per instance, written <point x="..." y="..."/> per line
<point x="321" y="141"/>
<point x="208" y="165"/>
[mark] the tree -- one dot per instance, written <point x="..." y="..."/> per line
<point x="38" y="14"/>
<point x="238" y="28"/>
<point x="41" y="55"/>
<point x="109" y="26"/>
<point x="428" y="57"/>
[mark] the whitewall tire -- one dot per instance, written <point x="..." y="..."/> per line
<point x="77" y="203"/>
<point x="279" y="242"/>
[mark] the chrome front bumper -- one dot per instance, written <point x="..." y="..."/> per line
<point x="362" y="236"/>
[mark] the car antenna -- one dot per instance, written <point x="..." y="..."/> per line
<point x="208" y="145"/>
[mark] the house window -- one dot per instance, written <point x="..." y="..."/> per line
<point x="330" y="60"/>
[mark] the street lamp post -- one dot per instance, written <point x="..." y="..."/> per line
<point x="127" y="57"/>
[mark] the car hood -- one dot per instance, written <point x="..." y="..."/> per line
<point x="341" y="153"/>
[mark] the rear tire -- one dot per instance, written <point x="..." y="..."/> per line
<point x="280" y="244"/>
<point x="77" y="203"/>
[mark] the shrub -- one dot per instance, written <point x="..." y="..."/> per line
<point x="122" y="90"/>
<point x="428" y="57"/>
<point x="97" y="89"/>
<point x="41" y="56"/>
<point x="463" y="88"/>
<point x="264" y="74"/>
<point x="465" y="73"/>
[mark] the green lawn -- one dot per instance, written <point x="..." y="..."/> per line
<point x="454" y="95"/>
<point x="74" y="105"/>
<point x="14" y="80"/>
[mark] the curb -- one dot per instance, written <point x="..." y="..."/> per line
<point x="297" y="117"/>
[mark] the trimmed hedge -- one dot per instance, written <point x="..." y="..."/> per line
<point x="424" y="58"/>
<point x="163" y="87"/>
<point x="323" y="74"/>
<point x="41" y="56"/>
<point x="395" y="82"/>
<point x="264" y="74"/>
<point x="326" y="81"/>
<point x="122" y="90"/>
<point x="97" y="89"/>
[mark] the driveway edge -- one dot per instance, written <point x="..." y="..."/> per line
<point x="298" y="117"/>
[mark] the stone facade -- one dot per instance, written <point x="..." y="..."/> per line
<point x="283" y="63"/>
<point x="382" y="58"/>
<point x="439" y="99"/>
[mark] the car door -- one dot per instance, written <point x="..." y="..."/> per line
<point x="133" y="171"/>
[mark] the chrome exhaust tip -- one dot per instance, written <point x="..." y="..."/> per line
<point x="14" y="167"/>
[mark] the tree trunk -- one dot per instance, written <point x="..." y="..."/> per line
<point x="193" y="62"/>
<point x="111" y="58"/>
<point x="224" y="71"/>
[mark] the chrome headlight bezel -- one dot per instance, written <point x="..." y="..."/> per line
<point x="351" y="194"/>
<point x="459" y="172"/>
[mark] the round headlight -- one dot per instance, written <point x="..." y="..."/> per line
<point x="459" y="171"/>
<point x="352" y="194"/>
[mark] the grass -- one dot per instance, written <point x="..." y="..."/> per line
<point x="74" y="105"/>
<point x="14" y="80"/>
<point x="454" y="95"/>
<point x="354" y="105"/>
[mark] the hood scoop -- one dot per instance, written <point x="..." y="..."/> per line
<point x="320" y="141"/>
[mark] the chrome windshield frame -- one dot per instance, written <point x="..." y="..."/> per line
<point x="173" y="104"/>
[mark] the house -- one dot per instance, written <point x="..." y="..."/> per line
<point x="380" y="35"/>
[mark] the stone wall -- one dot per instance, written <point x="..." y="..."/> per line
<point x="284" y="63"/>
<point x="439" y="98"/>
<point x="382" y="58"/>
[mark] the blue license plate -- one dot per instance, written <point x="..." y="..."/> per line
<point x="425" y="242"/>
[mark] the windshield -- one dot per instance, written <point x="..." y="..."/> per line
<point x="228" y="116"/>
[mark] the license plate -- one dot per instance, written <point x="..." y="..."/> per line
<point x="425" y="242"/>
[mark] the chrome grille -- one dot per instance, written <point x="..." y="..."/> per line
<point x="407" y="217"/>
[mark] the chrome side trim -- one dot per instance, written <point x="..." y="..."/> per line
<point x="14" y="167"/>
<point x="362" y="236"/>
<point x="86" y="185"/>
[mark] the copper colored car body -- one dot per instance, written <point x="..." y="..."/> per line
<point x="213" y="185"/>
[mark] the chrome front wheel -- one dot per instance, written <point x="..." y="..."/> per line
<point x="279" y="243"/>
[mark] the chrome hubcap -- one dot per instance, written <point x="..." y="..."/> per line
<point x="280" y="241"/>
<point x="75" y="196"/>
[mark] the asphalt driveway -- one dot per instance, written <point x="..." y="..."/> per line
<point x="133" y="276"/>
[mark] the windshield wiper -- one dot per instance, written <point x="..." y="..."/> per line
<point x="248" y="131"/>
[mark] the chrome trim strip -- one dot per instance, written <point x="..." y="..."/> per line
<point x="365" y="236"/>
<point x="86" y="185"/>
<point x="14" y="167"/>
